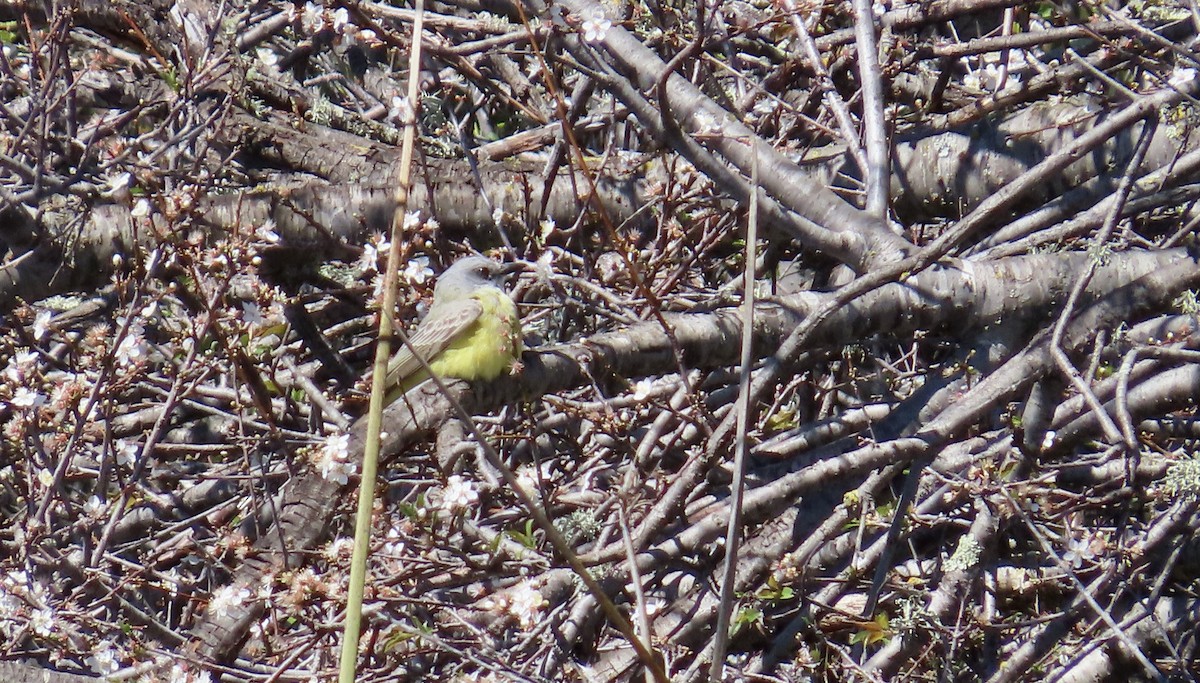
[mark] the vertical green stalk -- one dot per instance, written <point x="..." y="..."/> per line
<point x="370" y="465"/>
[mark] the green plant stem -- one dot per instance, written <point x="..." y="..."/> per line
<point x="383" y="348"/>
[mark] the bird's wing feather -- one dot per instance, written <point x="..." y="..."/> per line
<point x="432" y="336"/>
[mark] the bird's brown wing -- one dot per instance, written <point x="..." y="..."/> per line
<point x="432" y="336"/>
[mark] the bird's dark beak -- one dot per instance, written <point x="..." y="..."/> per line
<point x="507" y="269"/>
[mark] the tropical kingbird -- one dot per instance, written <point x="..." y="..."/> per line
<point x="472" y="330"/>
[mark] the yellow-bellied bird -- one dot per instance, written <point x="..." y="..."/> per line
<point x="472" y="330"/>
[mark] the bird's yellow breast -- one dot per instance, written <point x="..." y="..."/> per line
<point x="489" y="346"/>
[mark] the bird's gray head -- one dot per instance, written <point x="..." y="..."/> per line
<point x="467" y="275"/>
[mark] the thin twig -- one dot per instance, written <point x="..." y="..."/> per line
<point x="744" y="415"/>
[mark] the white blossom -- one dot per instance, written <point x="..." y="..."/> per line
<point x="527" y="479"/>
<point x="417" y="271"/>
<point x="643" y="389"/>
<point x="267" y="56"/>
<point x="393" y="543"/>
<point x="16" y="579"/>
<point x="595" y="27"/>
<point x="141" y="208"/>
<point x="402" y="112"/>
<point x="706" y="123"/>
<point x="42" y="621"/>
<point x="105" y="659"/>
<point x="252" y="314"/>
<point x="132" y="347"/>
<point x="118" y="185"/>
<point x="24" y="397"/>
<point x="339" y="548"/>
<point x="148" y="311"/>
<point x="333" y="460"/>
<point x="125" y="452"/>
<point x="312" y="19"/>
<point x="180" y="673"/>
<point x="1078" y="550"/>
<point x="93" y="507"/>
<point x="341" y="19"/>
<point x="1181" y="76"/>
<point x="266" y="232"/>
<point x="226" y="598"/>
<point x="526" y="603"/>
<point x="21" y="366"/>
<point x="41" y="325"/>
<point x="460" y="494"/>
<point x="412" y="220"/>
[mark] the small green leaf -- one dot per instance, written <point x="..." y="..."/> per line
<point x="748" y="617"/>
<point x="781" y="420"/>
<point x="875" y="631"/>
